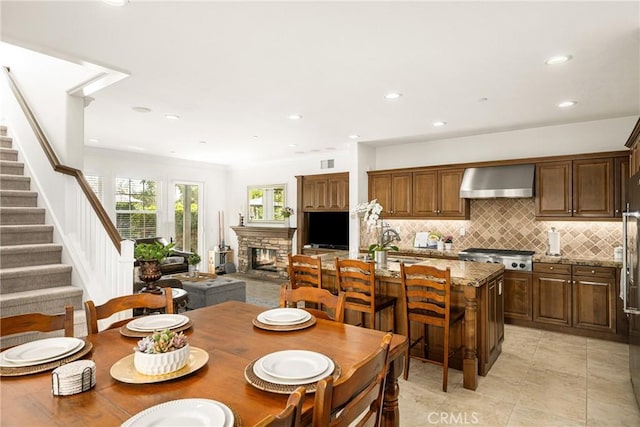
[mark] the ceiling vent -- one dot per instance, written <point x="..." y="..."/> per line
<point x="327" y="164"/>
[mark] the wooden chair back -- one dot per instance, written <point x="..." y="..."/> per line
<point x="360" y="391"/>
<point x="305" y="270"/>
<point x="290" y="416"/>
<point x="321" y="298"/>
<point x="126" y="302"/>
<point x="40" y="322"/>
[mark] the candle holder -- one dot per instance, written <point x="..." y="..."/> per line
<point x="240" y="220"/>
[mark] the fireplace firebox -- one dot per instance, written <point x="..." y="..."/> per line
<point x="264" y="259"/>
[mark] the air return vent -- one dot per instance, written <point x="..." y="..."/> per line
<point x="327" y="164"/>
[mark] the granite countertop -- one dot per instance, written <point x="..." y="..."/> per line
<point x="462" y="273"/>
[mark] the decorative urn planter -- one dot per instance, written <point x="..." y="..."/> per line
<point x="150" y="273"/>
<point x="161" y="363"/>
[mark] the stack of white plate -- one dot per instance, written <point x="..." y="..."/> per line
<point x="184" y="412"/>
<point x="74" y="377"/>
<point x="292" y="367"/>
<point x="284" y="316"/>
<point x="40" y="351"/>
<point x="157" y="322"/>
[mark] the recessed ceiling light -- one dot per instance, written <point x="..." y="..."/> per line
<point x="330" y="148"/>
<point x="439" y="123"/>
<point x="94" y="140"/>
<point x="295" y="116"/>
<point x="203" y="142"/>
<point x="393" y="95"/>
<point x="354" y="136"/>
<point x="483" y="99"/>
<point x="141" y="109"/>
<point x="558" y="59"/>
<point x="567" y="104"/>
<point x="172" y="116"/>
<point x="115" y="2"/>
<point x="172" y="152"/>
<point x="293" y="145"/>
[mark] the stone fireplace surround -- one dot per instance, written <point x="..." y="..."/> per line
<point x="275" y="238"/>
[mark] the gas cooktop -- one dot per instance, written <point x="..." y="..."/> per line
<point x="498" y="251"/>
<point x="511" y="259"/>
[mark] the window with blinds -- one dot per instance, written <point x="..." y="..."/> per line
<point x="136" y="211"/>
<point x="97" y="185"/>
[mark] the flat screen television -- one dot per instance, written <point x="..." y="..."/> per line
<point x="328" y="230"/>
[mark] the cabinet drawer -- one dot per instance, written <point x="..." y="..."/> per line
<point x="585" y="270"/>
<point x="542" y="267"/>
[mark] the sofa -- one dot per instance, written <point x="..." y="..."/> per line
<point x="175" y="263"/>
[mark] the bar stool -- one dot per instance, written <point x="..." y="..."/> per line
<point x="305" y="270"/>
<point x="357" y="279"/>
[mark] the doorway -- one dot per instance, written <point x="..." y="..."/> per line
<point x="187" y="217"/>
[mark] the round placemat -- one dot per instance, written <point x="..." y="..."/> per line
<point x="237" y="421"/>
<point x="284" y="328"/>
<point x="125" y="331"/>
<point x="27" y="370"/>
<point x="261" y="384"/>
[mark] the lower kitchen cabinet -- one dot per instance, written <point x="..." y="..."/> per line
<point x="594" y="298"/>
<point x="495" y="318"/>
<point x="517" y="295"/>
<point x="552" y="294"/>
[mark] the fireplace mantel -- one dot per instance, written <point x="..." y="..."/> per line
<point x="249" y="231"/>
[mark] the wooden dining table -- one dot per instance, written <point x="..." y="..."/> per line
<point x="225" y="331"/>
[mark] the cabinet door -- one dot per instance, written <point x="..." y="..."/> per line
<point x="517" y="295"/>
<point x="593" y="188"/>
<point x="450" y="203"/>
<point x="621" y="192"/>
<point x="551" y="299"/>
<point x="553" y="189"/>
<point x="425" y="194"/>
<point x="308" y="194"/>
<point x="380" y="189"/>
<point x="594" y="298"/>
<point x="321" y="194"/>
<point x="495" y="317"/>
<point x="401" y="184"/>
<point x="338" y="194"/>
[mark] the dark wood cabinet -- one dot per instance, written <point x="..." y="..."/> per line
<point x="328" y="192"/>
<point x="422" y="193"/>
<point x="495" y="317"/>
<point x="517" y="295"/>
<point x="594" y="303"/>
<point x="338" y="193"/>
<point x="591" y="188"/>
<point x="552" y="293"/>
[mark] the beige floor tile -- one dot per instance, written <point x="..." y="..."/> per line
<point x="610" y="391"/>
<point x="566" y="358"/>
<point x="523" y="416"/>
<point x="605" y="414"/>
<point x="466" y="407"/>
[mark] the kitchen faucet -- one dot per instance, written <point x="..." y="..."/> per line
<point x="390" y="235"/>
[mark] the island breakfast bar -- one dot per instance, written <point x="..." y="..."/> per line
<point x="475" y="286"/>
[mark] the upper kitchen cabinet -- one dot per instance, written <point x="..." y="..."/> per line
<point x="633" y="143"/>
<point x="393" y="192"/>
<point x="436" y="194"/>
<point x="592" y="188"/>
<point x="328" y="192"/>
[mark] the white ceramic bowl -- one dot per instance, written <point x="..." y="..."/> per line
<point x="162" y="363"/>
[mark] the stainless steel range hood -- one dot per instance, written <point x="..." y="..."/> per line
<point x="515" y="181"/>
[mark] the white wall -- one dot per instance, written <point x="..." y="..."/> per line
<point x="585" y="137"/>
<point x="214" y="179"/>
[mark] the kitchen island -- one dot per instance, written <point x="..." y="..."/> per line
<point x="477" y="287"/>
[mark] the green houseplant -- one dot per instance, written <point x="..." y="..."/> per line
<point x="149" y="256"/>
<point x="193" y="260"/>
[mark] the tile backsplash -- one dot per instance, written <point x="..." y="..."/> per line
<point x="511" y="224"/>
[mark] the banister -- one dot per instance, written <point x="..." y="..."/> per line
<point x="95" y="203"/>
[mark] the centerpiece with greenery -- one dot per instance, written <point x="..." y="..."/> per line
<point x="286" y="213"/>
<point x="149" y="257"/>
<point x="161" y="353"/>
<point x="373" y="218"/>
<point x="193" y="260"/>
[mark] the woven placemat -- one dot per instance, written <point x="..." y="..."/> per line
<point x="125" y="331"/>
<point x="284" y="328"/>
<point x="237" y="421"/>
<point x="261" y="384"/>
<point x="27" y="370"/>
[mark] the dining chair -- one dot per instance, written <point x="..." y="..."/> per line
<point x="30" y="322"/>
<point x="320" y="298"/>
<point x="358" y="395"/>
<point x="427" y="293"/>
<point x="126" y="302"/>
<point x="358" y="280"/>
<point x="290" y="416"/>
<point x="305" y="270"/>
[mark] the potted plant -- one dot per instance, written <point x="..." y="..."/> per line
<point x="149" y="256"/>
<point x="286" y="213"/>
<point x="373" y="217"/>
<point x="193" y="260"/>
<point x="448" y="242"/>
<point x="161" y="353"/>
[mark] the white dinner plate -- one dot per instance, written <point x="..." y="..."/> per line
<point x="260" y="373"/>
<point x="284" y="316"/>
<point x="47" y="349"/>
<point x="184" y="412"/>
<point x="294" y="364"/>
<point x="156" y="322"/>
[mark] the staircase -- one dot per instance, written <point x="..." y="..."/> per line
<point x="32" y="276"/>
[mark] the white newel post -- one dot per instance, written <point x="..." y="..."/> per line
<point x="125" y="268"/>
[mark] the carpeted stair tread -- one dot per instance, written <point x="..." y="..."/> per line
<point x="25" y="234"/>
<point x="11" y="168"/>
<point x="22" y="217"/>
<point x="34" y="277"/>
<point x="27" y="255"/>
<point x="15" y="182"/>
<point x="48" y="300"/>
<point x="8" y="154"/>
<point x="18" y="198"/>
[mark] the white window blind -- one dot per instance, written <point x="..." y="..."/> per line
<point x="136" y="207"/>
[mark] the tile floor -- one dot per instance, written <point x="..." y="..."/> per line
<point x="541" y="379"/>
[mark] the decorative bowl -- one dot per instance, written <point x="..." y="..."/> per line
<point x="161" y="363"/>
